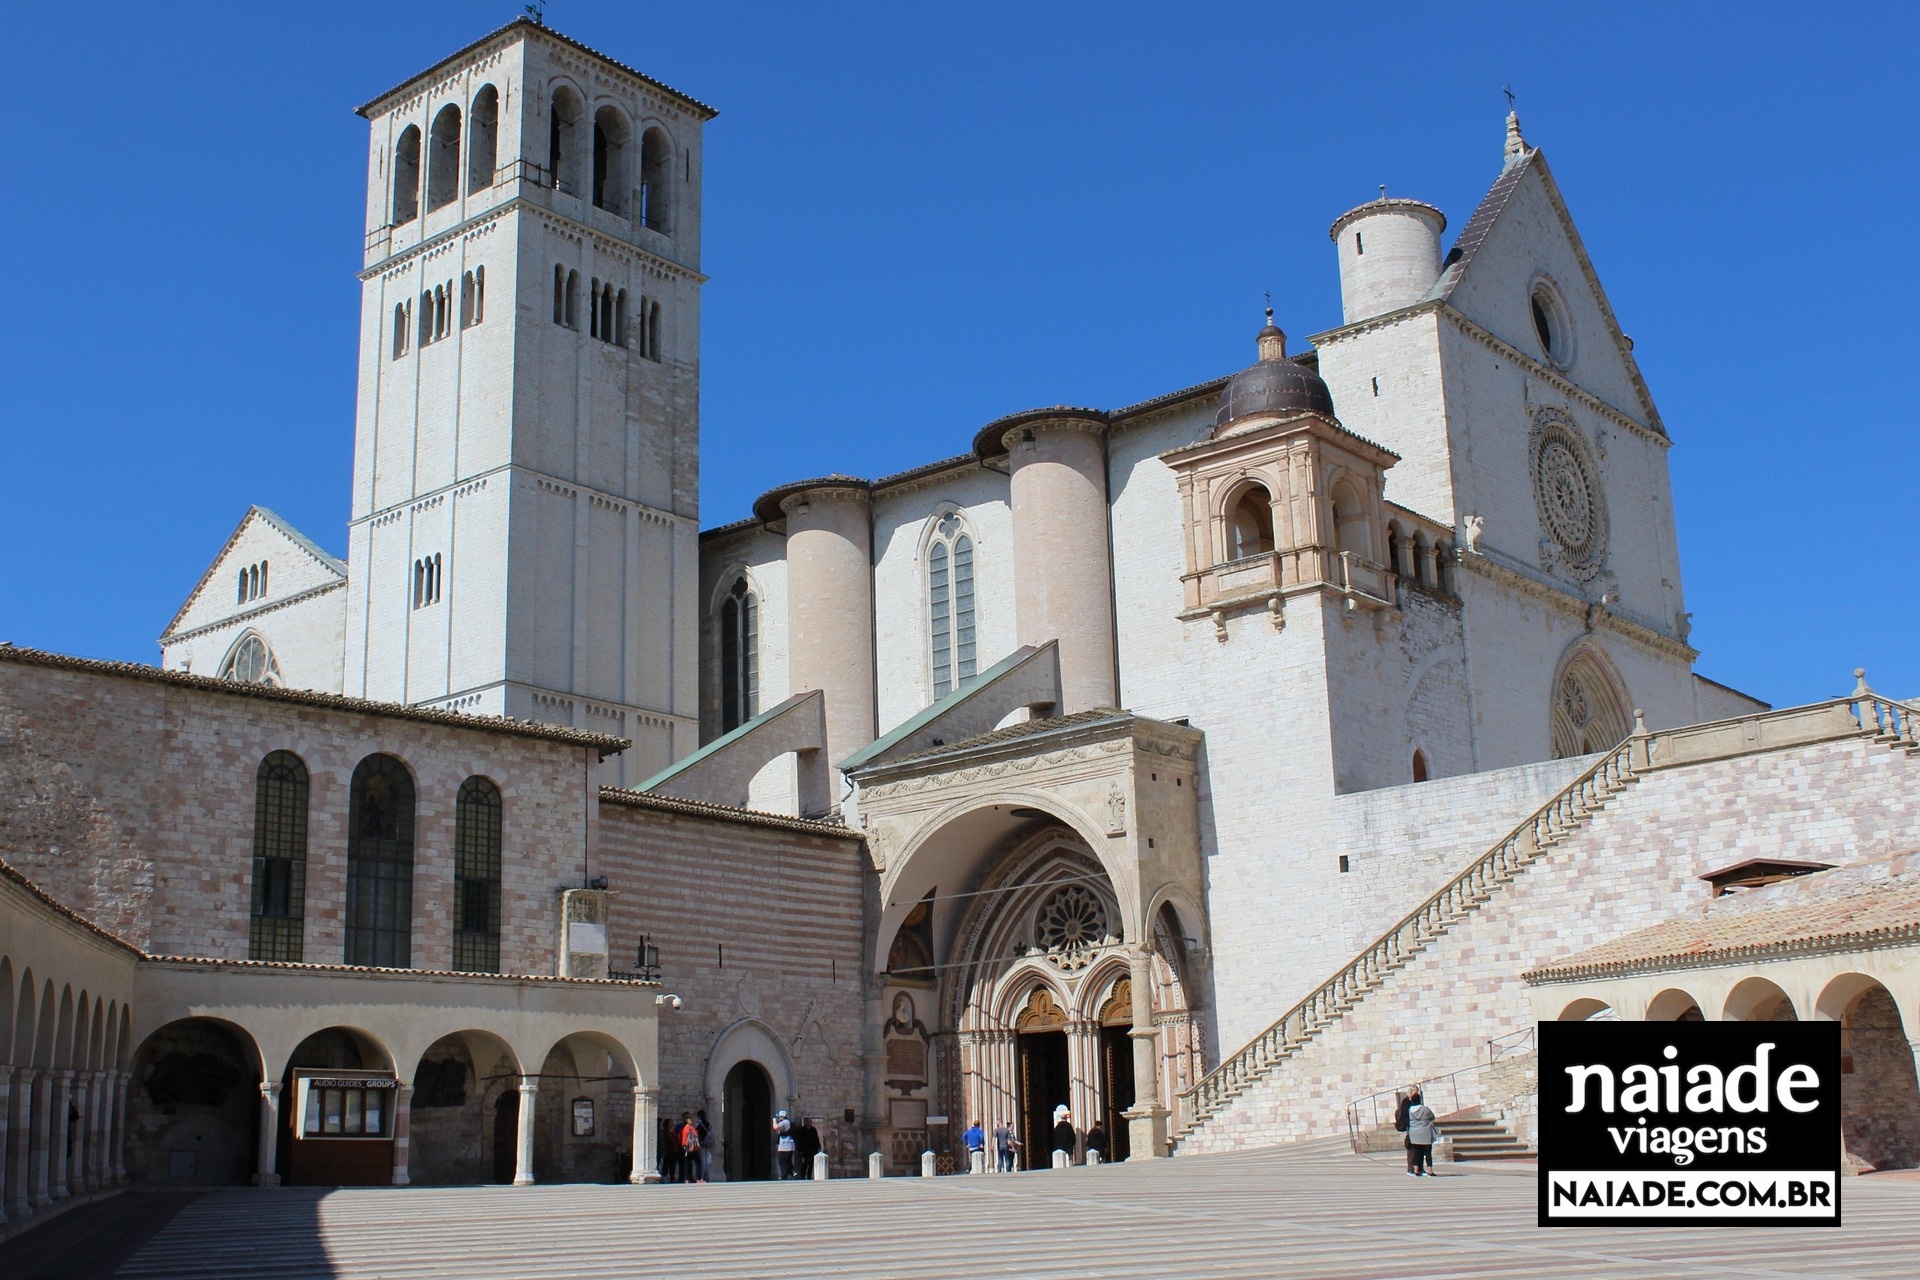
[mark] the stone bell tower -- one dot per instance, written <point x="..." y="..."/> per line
<point x="525" y="498"/>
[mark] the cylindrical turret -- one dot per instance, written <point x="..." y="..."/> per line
<point x="1389" y="256"/>
<point x="830" y="606"/>
<point x="1062" y="576"/>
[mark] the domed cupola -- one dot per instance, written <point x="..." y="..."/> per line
<point x="1275" y="387"/>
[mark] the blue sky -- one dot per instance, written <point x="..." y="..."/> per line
<point x="921" y="217"/>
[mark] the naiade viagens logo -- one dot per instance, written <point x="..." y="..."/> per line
<point x="1690" y="1124"/>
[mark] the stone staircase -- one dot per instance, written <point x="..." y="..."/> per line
<point x="1861" y="713"/>
<point x="1538" y="833"/>
<point x="1476" y="1137"/>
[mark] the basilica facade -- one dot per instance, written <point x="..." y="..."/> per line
<point x="1092" y="748"/>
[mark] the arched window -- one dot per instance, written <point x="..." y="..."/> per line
<point x="653" y="331"/>
<point x="1589" y="708"/>
<point x="620" y="319"/>
<point x="1422" y="560"/>
<point x="279" y="859"/>
<point x="406" y="177"/>
<point x="476" y="877"/>
<point x="402" y="328"/>
<point x="1350" y="532"/>
<point x="559" y="294"/>
<point x="443" y="159"/>
<point x="739" y="657"/>
<point x="1419" y="766"/>
<point x="1250" y="531"/>
<point x="563" y="141"/>
<point x="1443" y="567"/>
<point x="610" y="181"/>
<point x="473" y="297"/>
<point x="263" y="577"/>
<point x="483" y="139"/>
<point x="950" y="604"/>
<point x="251" y="661"/>
<point x="573" y="299"/>
<point x="1393" y="549"/>
<point x="240" y="597"/>
<point x="380" y="865"/>
<point x="656" y="168"/>
<point x="593" y="308"/>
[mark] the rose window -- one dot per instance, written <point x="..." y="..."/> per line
<point x="1073" y="921"/>
<point x="1571" y="509"/>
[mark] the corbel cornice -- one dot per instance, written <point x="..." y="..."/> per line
<point x="178" y="637"/>
<point x="405" y="257"/>
<point x="1597" y="616"/>
<point x="1553" y="378"/>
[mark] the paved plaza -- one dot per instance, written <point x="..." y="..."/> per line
<point x="1312" y="1211"/>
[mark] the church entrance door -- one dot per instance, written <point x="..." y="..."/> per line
<point x="1116" y="1087"/>
<point x="506" y="1133"/>
<point x="1045" y="1083"/>
<point x="747" y="1117"/>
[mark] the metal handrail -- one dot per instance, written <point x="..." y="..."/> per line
<point x="1512" y="1042"/>
<point x="1452" y="1079"/>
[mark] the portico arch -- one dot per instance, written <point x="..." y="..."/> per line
<point x="1674" y="1005"/>
<point x="193" y="1107"/>
<point x="1759" y="1000"/>
<point x="1879" y="1084"/>
<point x="458" y="1082"/>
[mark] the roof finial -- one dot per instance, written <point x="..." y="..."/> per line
<point x="1271" y="342"/>
<point x="1516" y="145"/>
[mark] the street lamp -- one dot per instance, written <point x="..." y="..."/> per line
<point x="647" y="960"/>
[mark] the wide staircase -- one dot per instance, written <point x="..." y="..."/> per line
<point x="1477" y="1137"/>
<point x="1861" y="713"/>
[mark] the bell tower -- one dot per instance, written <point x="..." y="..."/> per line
<point x="524" y="536"/>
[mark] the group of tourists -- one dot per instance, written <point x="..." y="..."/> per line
<point x="686" y="1148"/>
<point x="1007" y="1145"/>
<point x="1415" y="1118"/>
<point x="794" y="1147"/>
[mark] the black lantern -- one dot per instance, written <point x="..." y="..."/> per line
<point x="648" y="959"/>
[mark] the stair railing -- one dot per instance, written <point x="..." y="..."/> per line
<point x="1888" y="720"/>
<point x="1534" y="835"/>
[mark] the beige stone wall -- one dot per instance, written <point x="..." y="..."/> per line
<point x="137" y="807"/>
<point x="760" y="928"/>
<point x="1633" y="864"/>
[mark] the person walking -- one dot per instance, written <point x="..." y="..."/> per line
<point x="672" y="1164"/>
<point x="1422" y="1133"/>
<point x="691" y="1147"/>
<point x="806" y="1145"/>
<point x="975" y="1139"/>
<point x="706" y="1146"/>
<point x="1005" y="1145"/>
<point x="1064" y="1138"/>
<point x="783" y="1146"/>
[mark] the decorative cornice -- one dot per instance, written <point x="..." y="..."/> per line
<point x="178" y="637"/>
<point x="1886" y="936"/>
<point x="400" y="261"/>
<point x="1597" y="615"/>
<point x="572" y="488"/>
<point x="1553" y="377"/>
<point x="1385" y="320"/>
<point x="601" y="742"/>
<point x="727" y="813"/>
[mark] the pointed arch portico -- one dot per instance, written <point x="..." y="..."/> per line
<point x="1039" y="857"/>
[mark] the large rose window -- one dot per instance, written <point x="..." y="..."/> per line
<point x="1073" y="922"/>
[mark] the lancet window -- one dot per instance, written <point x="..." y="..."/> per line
<point x="476" y="877"/>
<point x="950" y="604"/>
<point x="279" y="859"/>
<point x="380" y="864"/>
<point x="739" y="656"/>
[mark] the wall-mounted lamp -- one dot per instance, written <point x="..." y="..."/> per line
<point x="598" y="882"/>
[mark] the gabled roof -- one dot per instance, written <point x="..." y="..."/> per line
<point x="333" y="564"/>
<point x="1459" y="259"/>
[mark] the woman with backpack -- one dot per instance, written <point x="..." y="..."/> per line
<point x="691" y="1148"/>
<point x="1422" y="1133"/>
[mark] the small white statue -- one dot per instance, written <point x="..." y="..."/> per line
<point x="1475" y="526"/>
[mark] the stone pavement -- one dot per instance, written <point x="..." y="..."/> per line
<point x="1312" y="1210"/>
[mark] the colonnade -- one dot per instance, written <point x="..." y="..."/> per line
<point x="62" y="1134"/>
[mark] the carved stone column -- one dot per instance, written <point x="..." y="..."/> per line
<point x="523" y="1149"/>
<point x="103" y="1134"/>
<point x="80" y="1142"/>
<point x="264" y="1173"/>
<point x="58" y="1134"/>
<point x="1146" y="1119"/>
<point x="118" y="1143"/>
<point x="402" y="1133"/>
<point x="646" y="1135"/>
<point x="1083" y="1075"/>
<point x="20" y="1150"/>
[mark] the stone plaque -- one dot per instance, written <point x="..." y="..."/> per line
<point x="907" y="1059"/>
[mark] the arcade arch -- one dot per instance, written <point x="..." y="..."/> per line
<point x="749" y="1076"/>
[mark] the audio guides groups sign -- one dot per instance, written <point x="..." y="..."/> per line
<point x="1689" y="1123"/>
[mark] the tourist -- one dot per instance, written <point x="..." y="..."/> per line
<point x="1422" y="1133"/>
<point x="976" y="1141"/>
<point x="783" y="1144"/>
<point x="1005" y="1144"/>
<point x="706" y="1146"/>
<point x="669" y="1151"/>
<point x="691" y="1148"/>
<point x="1064" y="1138"/>
<point x="806" y="1145"/>
<point x="1097" y="1141"/>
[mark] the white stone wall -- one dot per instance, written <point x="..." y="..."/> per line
<point x="902" y="520"/>
<point x="300" y="615"/>
<point x="1386" y="381"/>
<point x="1634" y="864"/>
